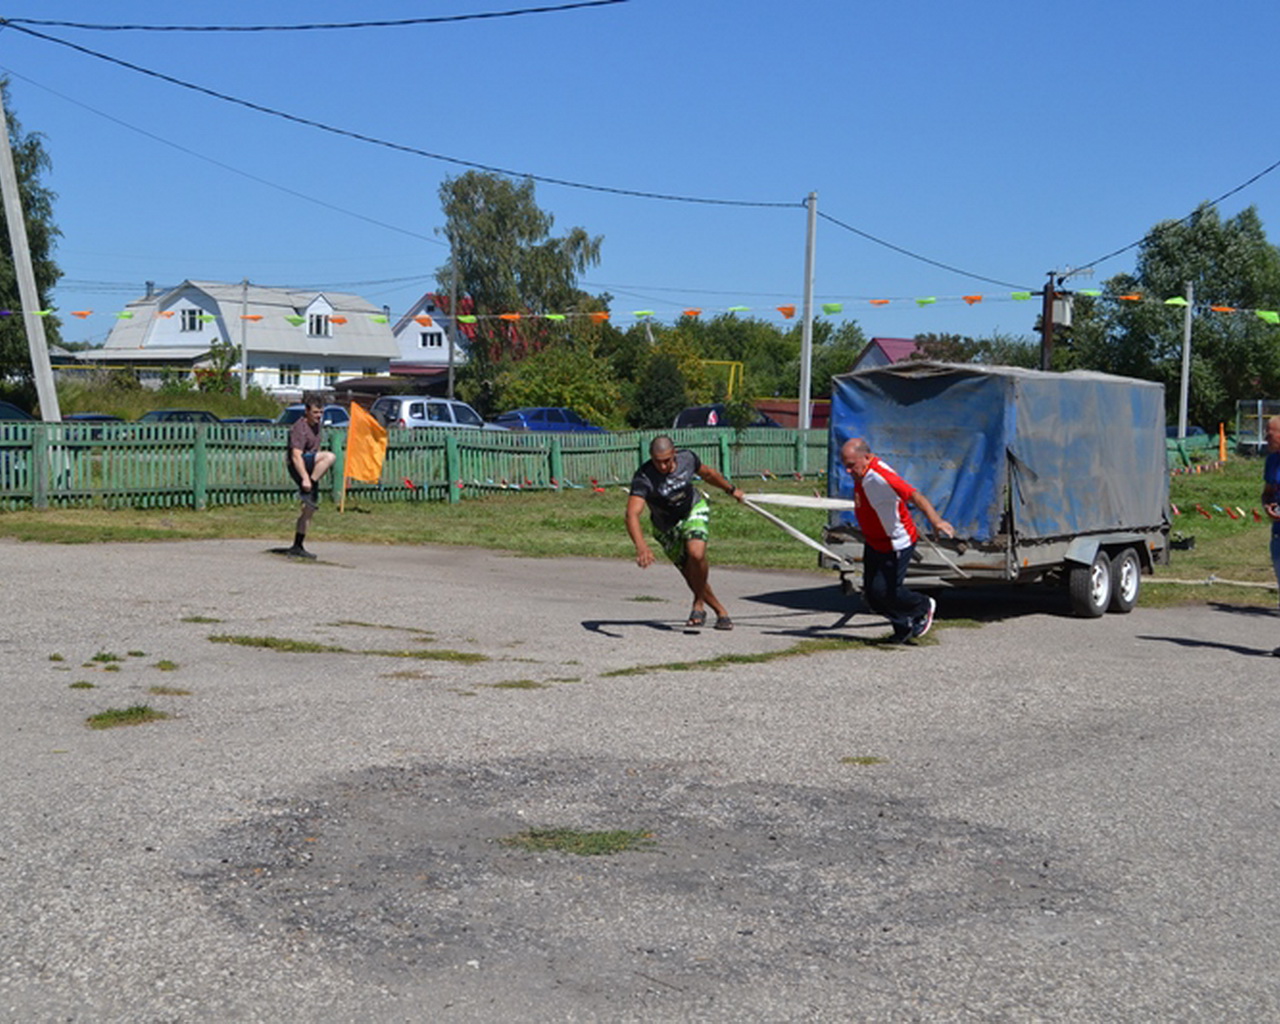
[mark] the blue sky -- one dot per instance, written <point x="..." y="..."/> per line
<point x="996" y="138"/>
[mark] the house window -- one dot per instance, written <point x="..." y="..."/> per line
<point x="290" y="375"/>
<point x="191" y="319"/>
<point x="318" y="325"/>
<point x="330" y="376"/>
<point x="368" y="371"/>
<point x="431" y="339"/>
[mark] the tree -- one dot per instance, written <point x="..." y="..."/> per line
<point x="508" y="263"/>
<point x="998" y="350"/>
<point x="30" y="161"/>
<point x="1234" y="356"/>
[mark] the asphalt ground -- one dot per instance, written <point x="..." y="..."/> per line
<point x="1024" y="817"/>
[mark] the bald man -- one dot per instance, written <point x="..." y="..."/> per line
<point x="680" y="520"/>
<point x="890" y="537"/>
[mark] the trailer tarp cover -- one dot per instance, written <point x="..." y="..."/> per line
<point x="1083" y="451"/>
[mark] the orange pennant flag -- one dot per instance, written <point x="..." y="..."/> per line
<point x="599" y="318"/>
<point x="1132" y="297"/>
<point x="366" y="446"/>
<point x="508" y="316"/>
<point x="971" y="299"/>
<point x="81" y="313"/>
<point x="251" y="316"/>
<point x="692" y="312"/>
<point x="424" y="320"/>
<point x="337" y="319"/>
<point x="787" y="311"/>
<point x="166" y="313"/>
<point x="879" y="302"/>
<point x="1223" y="309"/>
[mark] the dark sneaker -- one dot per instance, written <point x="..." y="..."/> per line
<point x="922" y="625"/>
<point x="298" y="551"/>
<point x="901" y="634"/>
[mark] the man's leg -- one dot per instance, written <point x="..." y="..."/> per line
<point x="696" y="569"/>
<point x="883" y="574"/>
<point x="324" y="462"/>
<point x="308" y="502"/>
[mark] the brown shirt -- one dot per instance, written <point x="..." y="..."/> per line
<point x="303" y="437"/>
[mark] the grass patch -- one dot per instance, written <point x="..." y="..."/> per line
<point x="165" y="665"/>
<point x="113" y="717"/>
<point x="56" y="657"/>
<point x="106" y="657"/>
<point x="565" y="679"/>
<point x="518" y="684"/>
<point x="864" y="759"/>
<point x="137" y="654"/>
<point x="168" y="691"/>
<point x="199" y="618"/>
<point x="81" y="684"/>
<point x="284" y="644"/>
<point x="407" y="673"/>
<point x="646" y="598"/>
<point x="583" y="844"/>
<point x="422" y="635"/>
<point x="111" y="668"/>
<point x="802" y="649"/>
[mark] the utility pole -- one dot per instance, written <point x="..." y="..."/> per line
<point x="1046" y="323"/>
<point x="806" y="328"/>
<point x="244" y="338"/>
<point x="453" y="310"/>
<point x="27" y="291"/>
<point x="1185" y="390"/>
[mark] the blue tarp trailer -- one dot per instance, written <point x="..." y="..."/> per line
<point x="1046" y="477"/>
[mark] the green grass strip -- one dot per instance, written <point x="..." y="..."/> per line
<point x="113" y="717"/>
<point x="584" y="844"/>
<point x="797" y="650"/>
<point x="288" y="646"/>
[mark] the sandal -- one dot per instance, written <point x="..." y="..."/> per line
<point x="697" y="618"/>
<point x="724" y="622"/>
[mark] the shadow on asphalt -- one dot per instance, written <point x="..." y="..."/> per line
<point x="1264" y="611"/>
<point x="1183" y="641"/>
<point x="982" y="604"/>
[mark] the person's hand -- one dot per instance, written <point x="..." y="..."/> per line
<point x="306" y="485"/>
<point x="945" y="528"/>
<point x="738" y="494"/>
<point x="1272" y="511"/>
<point x="644" y="557"/>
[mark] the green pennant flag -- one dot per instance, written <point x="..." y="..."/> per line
<point x="555" y="316"/>
<point x="925" y="302"/>
<point x="1093" y="293"/>
<point x="642" y="312"/>
<point x="738" y="309"/>
<point x="124" y="316"/>
<point x="1020" y="295"/>
<point x="42" y="312"/>
<point x="467" y="319"/>
<point x="297" y="321"/>
<point x="378" y="319"/>
<point x="206" y="318"/>
<point x="1269" y="315"/>
<point x="1177" y="300"/>
<point x="833" y="307"/>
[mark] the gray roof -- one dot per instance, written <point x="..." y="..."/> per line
<point x="361" y="336"/>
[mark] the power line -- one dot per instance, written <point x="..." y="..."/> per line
<point x="398" y="23"/>
<point x="915" y="256"/>
<point x="1185" y="220"/>
<point x="396" y="146"/>
<point x="226" y="167"/>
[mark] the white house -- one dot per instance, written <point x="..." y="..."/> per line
<point x="295" y="340"/>
<point x="422" y="337"/>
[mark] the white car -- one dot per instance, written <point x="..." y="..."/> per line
<point x="424" y="411"/>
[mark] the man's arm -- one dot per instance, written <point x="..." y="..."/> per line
<point x="939" y="524"/>
<point x="635" y="505"/>
<point x="715" y="479"/>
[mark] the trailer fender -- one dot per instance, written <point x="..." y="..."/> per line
<point x="1082" y="550"/>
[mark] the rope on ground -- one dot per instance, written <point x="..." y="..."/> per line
<point x="1208" y="580"/>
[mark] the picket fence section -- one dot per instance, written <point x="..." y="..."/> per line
<point x="158" y="465"/>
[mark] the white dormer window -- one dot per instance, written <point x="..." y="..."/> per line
<point x="318" y="325"/>
<point x="431" y="339"/>
<point x="191" y="319"/>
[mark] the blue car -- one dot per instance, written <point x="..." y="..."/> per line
<point x="547" y="417"/>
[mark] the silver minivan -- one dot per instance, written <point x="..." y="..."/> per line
<point x="423" y="411"/>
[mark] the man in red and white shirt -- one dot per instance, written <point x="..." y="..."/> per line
<point x="881" y="498"/>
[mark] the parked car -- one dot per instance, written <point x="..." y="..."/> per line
<point x="1191" y="431"/>
<point x="333" y="416"/>
<point x="9" y="411"/>
<point x="178" y="416"/>
<point x="87" y="426"/>
<point x="256" y="421"/>
<point x="546" y="417"/>
<point x="423" y="411"/>
<point x="714" y="416"/>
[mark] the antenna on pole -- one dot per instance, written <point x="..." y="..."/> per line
<point x="27" y="291"/>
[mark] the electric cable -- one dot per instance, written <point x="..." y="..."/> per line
<point x="396" y="23"/>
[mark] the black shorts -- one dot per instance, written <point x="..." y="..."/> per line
<point x="308" y="460"/>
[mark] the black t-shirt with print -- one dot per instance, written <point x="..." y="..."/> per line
<point x="669" y="496"/>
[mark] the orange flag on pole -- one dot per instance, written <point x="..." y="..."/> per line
<point x="366" y="448"/>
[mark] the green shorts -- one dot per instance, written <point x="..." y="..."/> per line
<point x="694" y="526"/>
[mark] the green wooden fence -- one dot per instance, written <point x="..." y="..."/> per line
<point x="156" y="465"/>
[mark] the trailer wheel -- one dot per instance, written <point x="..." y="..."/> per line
<point x="1090" y="587"/>
<point x="1126" y="581"/>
